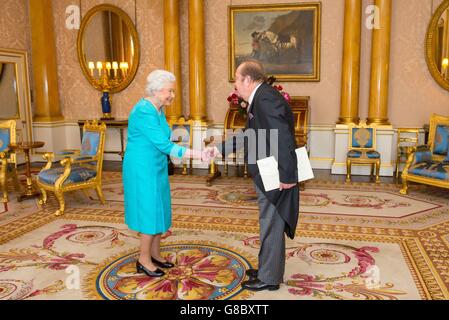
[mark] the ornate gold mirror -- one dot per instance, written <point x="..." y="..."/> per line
<point x="108" y="48"/>
<point x="437" y="45"/>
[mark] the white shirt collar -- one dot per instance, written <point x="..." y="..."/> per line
<point x="251" y="97"/>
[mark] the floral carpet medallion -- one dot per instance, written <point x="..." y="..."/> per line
<point x="360" y="280"/>
<point x="201" y="272"/>
<point x="338" y="271"/>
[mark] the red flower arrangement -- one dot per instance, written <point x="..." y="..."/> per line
<point x="235" y="99"/>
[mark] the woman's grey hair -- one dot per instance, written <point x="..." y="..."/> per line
<point x="157" y="80"/>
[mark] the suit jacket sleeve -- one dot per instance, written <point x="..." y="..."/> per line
<point x="275" y="113"/>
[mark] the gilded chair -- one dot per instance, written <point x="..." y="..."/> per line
<point x="8" y="158"/>
<point x="407" y="138"/>
<point x="362" y="149"/>
<point x="182" y="134"/>
<point x="79" y="170"/>
<point x="429" y="164"/>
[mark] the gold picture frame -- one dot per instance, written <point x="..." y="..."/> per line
<point x="286" y="38"/>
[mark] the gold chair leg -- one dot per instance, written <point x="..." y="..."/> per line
<point x="397" y="168"/>
<point x="184" y="169"/>
<point x="212" y="167"/>
<point x="44" y="197"/>
<point x="5" y="193"/>
<point x="3" y="184"/>
<point x="100" y="194"/>
<point x="60" y="196"/>
<point x="404" y="189"/>
<point x="378" y="172"/>
<point x="372" y="169"/>
<point x="213" y="173"/>
<point x="348" y="170"/>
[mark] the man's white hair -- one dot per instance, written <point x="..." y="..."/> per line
<point x="157" y="80"/>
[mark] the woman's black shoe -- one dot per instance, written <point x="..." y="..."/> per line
<point x="156" y="273"/>
<point x="165" y="264"/>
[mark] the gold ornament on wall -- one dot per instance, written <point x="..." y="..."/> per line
<point x="437" y="45"/>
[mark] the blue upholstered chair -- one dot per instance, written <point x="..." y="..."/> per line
<point x="429" y="164"/>
<point x="362" y="149"/>
<point x="8" y="159"/>
<point x="79" y="170"/>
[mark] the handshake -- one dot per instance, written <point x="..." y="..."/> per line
<point x="205" y="156"/>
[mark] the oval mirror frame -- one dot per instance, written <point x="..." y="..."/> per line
<point x="430" y="38"/>
<point x="135" y="38"/>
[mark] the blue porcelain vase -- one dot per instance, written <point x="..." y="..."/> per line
<point x="105" y="103"/>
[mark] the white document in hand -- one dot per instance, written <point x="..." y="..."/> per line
<point x="269" y="172"/>
<point x="305" y="171"/>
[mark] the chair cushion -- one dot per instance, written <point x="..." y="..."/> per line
<point x="373" y="154"/>
<point x="354" y="154"/>
<point x="441" y="140"/>
<point x="78" y="174"/>
<point x="4" y="139"/>
<point x="431" y="169"/>
<point x="90" y="143"/>
<point x="357" y="154"/>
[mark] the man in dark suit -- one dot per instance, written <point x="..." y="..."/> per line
<point x="268" y="111"/>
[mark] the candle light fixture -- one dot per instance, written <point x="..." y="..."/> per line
<point x="106" y="80"/>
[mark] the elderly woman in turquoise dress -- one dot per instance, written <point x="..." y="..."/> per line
<point x="145" y="171"/>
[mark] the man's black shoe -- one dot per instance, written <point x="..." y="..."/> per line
<point x="252" y="273"/>
<point x="257" y="285"/>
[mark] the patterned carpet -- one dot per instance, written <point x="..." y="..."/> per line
<point x="354" y="241"/>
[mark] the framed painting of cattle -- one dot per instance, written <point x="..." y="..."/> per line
<point x="284" y="37"/>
